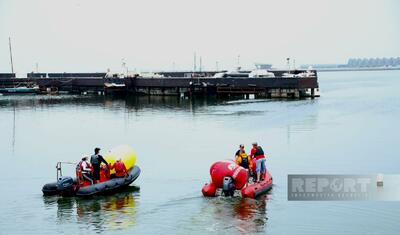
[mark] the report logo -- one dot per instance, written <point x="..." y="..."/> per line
<point x="343" y="187"/>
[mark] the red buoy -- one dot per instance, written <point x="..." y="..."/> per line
<point x="222" y="169"/>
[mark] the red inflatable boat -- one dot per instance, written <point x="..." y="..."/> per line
<point x="228" y="176"/>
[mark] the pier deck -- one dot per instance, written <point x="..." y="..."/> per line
<point x="261" y="87"/>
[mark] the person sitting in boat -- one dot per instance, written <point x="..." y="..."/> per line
<point x="85" y="169"/>
<point x="120" y="168"/>
<point x="258" y="153"/>
<point x="96" y="159"/>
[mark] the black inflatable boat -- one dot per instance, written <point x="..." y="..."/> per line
<point x="67" y="186"/>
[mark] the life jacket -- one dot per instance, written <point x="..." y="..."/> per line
<point x="245" y="163"/>
<point x="259" y="151"/>
<point x="79" y="167"/>
<point x="119" y="168"/>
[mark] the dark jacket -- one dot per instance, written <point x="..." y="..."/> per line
<point x="97" y="159"/>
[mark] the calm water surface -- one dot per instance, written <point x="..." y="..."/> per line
<point x="352" y="129"/>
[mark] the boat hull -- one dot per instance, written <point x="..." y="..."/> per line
<point x="257" y="189"/>
<point x="108" y="186"/>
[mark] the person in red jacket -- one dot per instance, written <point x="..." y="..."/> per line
<point x="84" y="170"/>
<point x="120" y="168"/>
<point x="258" y="153"/>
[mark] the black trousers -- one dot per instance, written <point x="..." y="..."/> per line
<point x="96" y="171"/>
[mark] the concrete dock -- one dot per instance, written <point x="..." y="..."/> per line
<point x="277" y="87"/>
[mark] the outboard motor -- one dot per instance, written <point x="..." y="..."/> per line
<point x="65" y="185"/>
<point x="228" y="187"/>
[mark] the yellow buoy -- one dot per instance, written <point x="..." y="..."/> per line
<point x="125" y="152"/>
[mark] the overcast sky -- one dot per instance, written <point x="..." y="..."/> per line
<point x="93" y="35"/>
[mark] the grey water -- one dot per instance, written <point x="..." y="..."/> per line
<point x="353" y="128"/>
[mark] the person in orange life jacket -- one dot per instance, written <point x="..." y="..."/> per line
<point x="242" y="159"/>
<point x="120" y="169"/>
<point x="96" y="159"/>
<point x="258" y="153"/>
<point x="86" y="169"/>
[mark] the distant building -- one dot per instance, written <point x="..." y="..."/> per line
<point x="321" y="66"/>
<point x="359" y="63"/>
<point x="373" y="62"/>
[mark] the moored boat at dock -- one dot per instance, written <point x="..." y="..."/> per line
<point x="20" y="90"/>
<point x="258" y="84"/>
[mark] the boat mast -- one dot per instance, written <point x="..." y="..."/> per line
<point x="200" y="65"/>
<point x="288" y="64"/>
<point x="194" y="62"/>
<point x="12" y="65"/>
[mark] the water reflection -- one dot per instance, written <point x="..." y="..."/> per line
<point x="13" y="132"/>
<point x="131" y="103"/>
<point x="100" y="213"/>
<point x="240" y="214"/>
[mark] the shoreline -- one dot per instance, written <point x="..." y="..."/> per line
<point x="355" y="69"/>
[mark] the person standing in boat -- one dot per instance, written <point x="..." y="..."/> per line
<point x="258" y="153"/>
<point x="96" y="159"/>
<point x="243" y="160"/>
<point x="120" y="168"/>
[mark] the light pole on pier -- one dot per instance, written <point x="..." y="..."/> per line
<point x="11" y="59"/>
